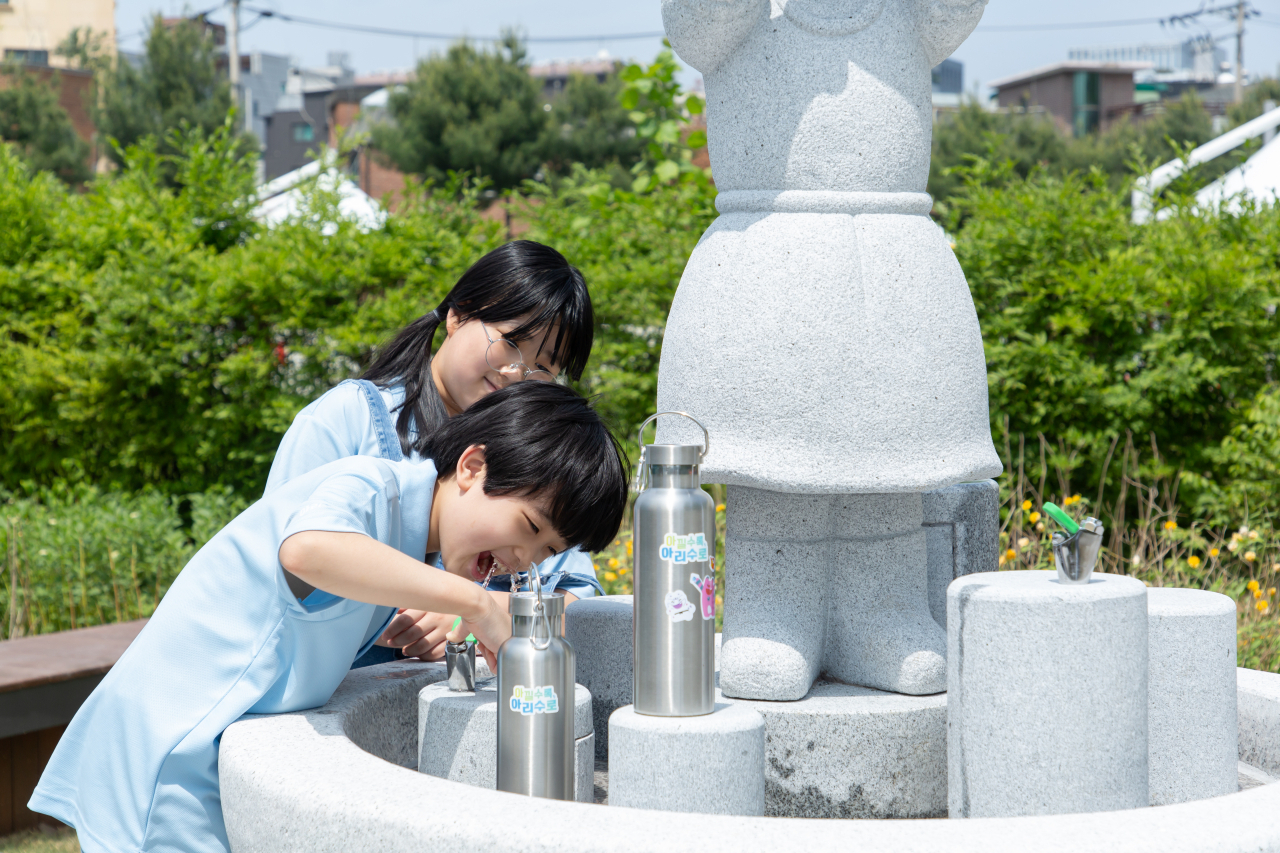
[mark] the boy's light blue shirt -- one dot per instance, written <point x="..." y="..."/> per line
<point x="137" y="768"/>
<point x="342" y="422"/>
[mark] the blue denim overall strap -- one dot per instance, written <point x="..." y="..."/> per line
<point x="383" y="426"/>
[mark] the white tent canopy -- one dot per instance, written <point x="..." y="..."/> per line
<point x="282" y="198"/>
<point x="1257" y="178"/>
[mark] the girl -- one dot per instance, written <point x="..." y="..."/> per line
<point x="526" y="473"/>
<point x="521" y="312"/>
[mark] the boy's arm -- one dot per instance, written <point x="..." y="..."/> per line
<point x="359" y="567"/>
<point x="420" y="634"/>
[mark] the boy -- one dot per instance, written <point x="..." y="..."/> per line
<point x="269" y="615"/>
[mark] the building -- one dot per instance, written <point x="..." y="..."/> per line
<point x="1080" y="96"/>
<point x="299" y="122"/>
<point x="555" y="75"/>
<point x="948" y="86"/>
<point x="1196" y="60"/>
<point x="31" y="30"/>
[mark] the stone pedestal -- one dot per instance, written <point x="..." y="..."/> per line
<point x="1191" y="688"/>
<point x="1047" y="695"/>
<point x="854" y="752"/>
<point x="962" y="535"/>
<point x="458" y="736"/>
<point x="599" y="629"/>
<point x="713" y="764"/>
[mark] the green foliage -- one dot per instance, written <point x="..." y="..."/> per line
<point x="176" y="85"/>
<point x="590" y="127"/>
<point x="33" y="120"/>
<point x="472" y="109"/>
<point x="1030" y="141"/>
<point x="631" y="247"/>
<point x="1243" y="478"/>
<point x="1266" y="89"/>
<point x="1095" y="328"/>
<point x="79" y="557"/>
<point x="151" y="335"/>
<point x="660" y="112"/>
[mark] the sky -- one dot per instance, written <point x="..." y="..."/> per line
<point x="1014" y="35"/>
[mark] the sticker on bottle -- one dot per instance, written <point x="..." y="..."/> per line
<point x="707" y="587"/>
<point x="679" y="607"/>
<point x="687" y="548"/>
<point x="534" y="700"/>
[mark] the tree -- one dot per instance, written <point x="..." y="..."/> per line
<point x="590" y="126"/>
<point x="661" y="113"/>
<point x="472" y="109"/>
<point x="176" y="83"/>
<point x="33" y="120"/>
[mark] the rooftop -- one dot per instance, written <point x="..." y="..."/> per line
<point x="1069" y="66"/>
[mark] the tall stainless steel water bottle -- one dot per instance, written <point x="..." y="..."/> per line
<point x="674" y="541"/>
<point x="535" y="699"/>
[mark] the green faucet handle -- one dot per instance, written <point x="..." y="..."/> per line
<point x="471" y="638"/>
<point x="1056" y="513"/>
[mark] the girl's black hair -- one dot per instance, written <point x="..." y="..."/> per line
<point x="543" y="441"/>
<point x="521" y="279"/>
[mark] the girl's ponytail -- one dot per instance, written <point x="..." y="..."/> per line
<point x="407" y="358"/>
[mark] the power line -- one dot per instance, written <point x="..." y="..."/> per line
<point x="391" y="31"/>
<point x="1079" y="25"/>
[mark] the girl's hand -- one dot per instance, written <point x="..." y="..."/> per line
<point x="419" y="634"/>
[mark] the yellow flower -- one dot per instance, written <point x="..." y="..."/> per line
<point x="1271" y="591"/>
<point x="719" y="507"/>
<point x="628" y="547"/>
<point x="1213" y="552"/>
<point x="1171" y="525"/>
<point x="613" y="562"/>
<point x="1024" y="542"/>
<point x="1040" y="527"/>
<point x="1232" y="546"/>
<point x="623" y="570"/>
<point x="595" y="566"/>
<point x="1253" y="534"/>
<point x="1257" y="593"/>
<point x="1075" y="499"/>
<point x="1263" y="607"/>
<point x="1034" y="517"/>
<point x="610" y="576"/>
<point x="1252" y="586"/>
<point x="617" y="542"/>
<point x="1002" y="560"/>
<point x="1236" y="537"/>
<point x="1026" y="506"/>
<point x="1193" y="561"/>
<point x="1250" y="556"/>
<point x="1010" y="554"/>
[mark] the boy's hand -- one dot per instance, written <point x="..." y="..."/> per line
<point x="491" y="626"/>
<point x="418" y="634"/>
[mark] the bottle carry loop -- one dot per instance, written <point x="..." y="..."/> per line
<point x="641" y="480"/>
<point x="540" y="609"/>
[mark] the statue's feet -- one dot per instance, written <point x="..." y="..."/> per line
<point x="756" y="668"/>
<point x="888" y="650"/>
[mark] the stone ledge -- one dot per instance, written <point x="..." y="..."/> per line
<point x="298" y="782"/>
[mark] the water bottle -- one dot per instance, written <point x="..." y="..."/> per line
<point x="536" y="698"/>
<point x="674" y="539"/>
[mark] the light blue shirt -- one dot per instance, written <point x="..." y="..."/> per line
<point x="357" y="418"/>
<point x="137" y="768"/>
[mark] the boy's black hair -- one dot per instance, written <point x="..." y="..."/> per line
<point x="542" y="439"/>
<point x="520" y="280"/>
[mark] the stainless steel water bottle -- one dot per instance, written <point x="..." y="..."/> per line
<point x="674" y="540"/>
<point x="535" y="699"/>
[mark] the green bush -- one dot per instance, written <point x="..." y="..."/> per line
<point x="79" y="557"/>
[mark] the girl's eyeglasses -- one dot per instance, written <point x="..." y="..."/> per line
<point x="505" y="357"/>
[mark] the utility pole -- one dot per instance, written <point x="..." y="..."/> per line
<point x="1239" y="88"/>
<point x="233" y="50"/>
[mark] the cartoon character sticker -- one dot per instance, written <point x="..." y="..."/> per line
<point x="679" y="607"/>
<point x="706" y="586"/>
<point x="534" y="700"/>
<point x="690" y="548"/>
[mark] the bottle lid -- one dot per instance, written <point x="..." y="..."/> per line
<point x="673" y="454"/>
<point x="524" y="604"/>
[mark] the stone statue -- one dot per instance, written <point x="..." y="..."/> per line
<point x="824" y="333"/>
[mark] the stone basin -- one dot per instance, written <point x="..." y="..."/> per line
<point x="342" y="777"/>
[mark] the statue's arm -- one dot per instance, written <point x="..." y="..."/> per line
<point x="705" y="32"/>
<point x="947" y="23"/>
